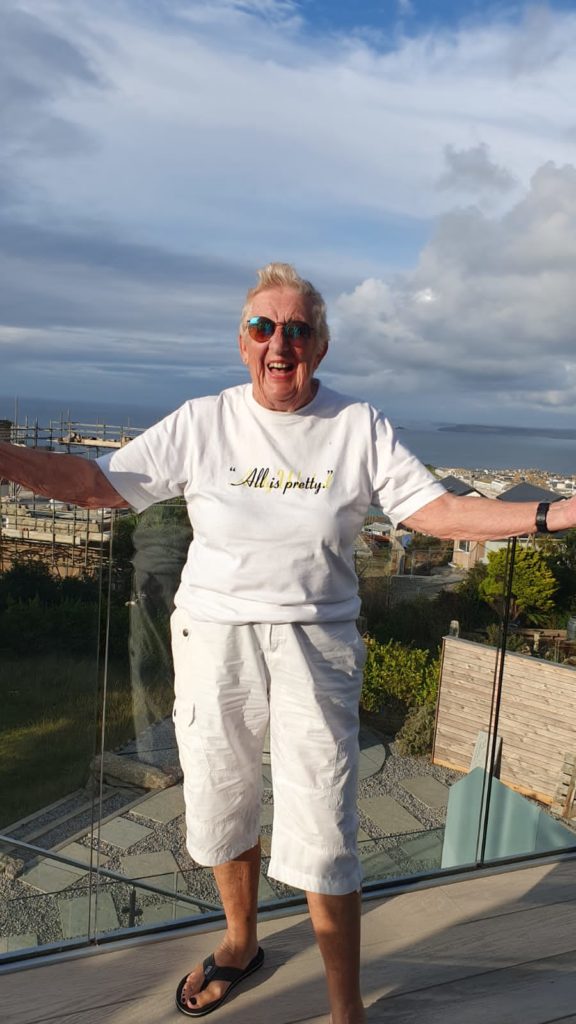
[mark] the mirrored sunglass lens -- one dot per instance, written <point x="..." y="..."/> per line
<point x="296" y="331"/>
<point x="261" y="327"/>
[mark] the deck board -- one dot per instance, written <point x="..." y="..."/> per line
<point x="486" y="950"/>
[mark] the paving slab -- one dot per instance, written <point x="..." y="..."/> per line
<point x="378" y="864"/>
<point x="266" y="845"/>
<point x="76" y="851"/>
<point x="427" y="789"/>
<point x="163" y="806"/>
<point x="266" y="814"/>
<point x="12" y="943"/>
<point x="389" y="815"/>
<point x="266" y="777"/>
<point x="47" y="876"/>
<point x="123" y="832"/>
<point x="371" y="744"/>
<point x="159" y="869"/>
<point x="265" y="890"/>
<point x="425" y="847"/>
<point x="367" y="766"/>
<point x="74" y="915"/>
<point x="169" y="910"/>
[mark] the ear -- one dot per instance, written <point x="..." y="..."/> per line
<point x="243" y="349"/>
<point x="320" y="356"/>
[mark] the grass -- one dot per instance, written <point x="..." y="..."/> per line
<point x="50" y="725"/>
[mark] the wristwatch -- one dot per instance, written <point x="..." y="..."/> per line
<point x="542" y="517"/>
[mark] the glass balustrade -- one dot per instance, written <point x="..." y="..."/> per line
<point x="531" y="807"/>
<point x="467" y="749"/>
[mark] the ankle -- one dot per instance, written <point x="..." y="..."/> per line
<point x="349" y="1014"/>
<point x="239" y="946"/>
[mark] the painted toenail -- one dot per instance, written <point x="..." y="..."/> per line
<point x="193" y="1001"/>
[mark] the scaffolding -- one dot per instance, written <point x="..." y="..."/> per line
<point x="71" y="540"/>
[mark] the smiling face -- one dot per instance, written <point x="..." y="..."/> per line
<point x="281" y="371"/>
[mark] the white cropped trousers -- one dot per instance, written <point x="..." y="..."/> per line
<point x="306" y="679"/>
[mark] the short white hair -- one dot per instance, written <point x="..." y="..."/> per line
<point x="284" y="275"/>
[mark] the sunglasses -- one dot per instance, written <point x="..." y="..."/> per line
<point x="261" y="328"/>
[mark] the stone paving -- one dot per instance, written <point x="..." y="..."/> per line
<point x="145" y="842"/>
<point x="428" y="790"/>
<point x="389" y="815"/>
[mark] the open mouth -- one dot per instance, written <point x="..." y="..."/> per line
<point x="279" y="367"/>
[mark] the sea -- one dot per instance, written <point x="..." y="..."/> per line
<point x="467" y="446"/>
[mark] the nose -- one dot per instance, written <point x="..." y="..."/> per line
<point x="277" y="340"/>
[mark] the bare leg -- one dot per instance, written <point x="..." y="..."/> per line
<point x="336" y="923"/>
<point x="237" y="883"/>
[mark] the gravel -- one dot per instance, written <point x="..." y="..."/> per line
<point x="25" y="911"/>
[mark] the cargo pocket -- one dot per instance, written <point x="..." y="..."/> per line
<point x="190" y="749"/>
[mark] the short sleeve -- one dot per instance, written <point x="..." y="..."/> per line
<point x="401" y="483"/>
<point x="155" y="466"/>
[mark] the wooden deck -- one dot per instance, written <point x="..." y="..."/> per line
<point x="487" y="950"/>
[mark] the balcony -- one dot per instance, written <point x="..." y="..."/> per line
<point x="467" y="847"/>
<point x="499" y="949"/>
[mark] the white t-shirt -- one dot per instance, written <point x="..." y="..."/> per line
<point x="276" y="500"/>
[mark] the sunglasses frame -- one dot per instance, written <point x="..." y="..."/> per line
<point x="252" y="322"/>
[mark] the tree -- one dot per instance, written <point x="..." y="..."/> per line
<point x="560" y="554"/>
<point x="533" y="585"/>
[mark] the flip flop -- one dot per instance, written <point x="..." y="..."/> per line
<point x="214" y="973"/>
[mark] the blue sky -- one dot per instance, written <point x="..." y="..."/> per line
<point x="419" y="166"/>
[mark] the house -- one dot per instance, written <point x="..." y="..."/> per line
<point x="466" y="553"/>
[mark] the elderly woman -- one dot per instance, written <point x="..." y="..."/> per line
<point x="278" y="475"/>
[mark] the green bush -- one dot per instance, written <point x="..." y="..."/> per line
<point x="416" y="736"/>
<point x="403" y="673"/>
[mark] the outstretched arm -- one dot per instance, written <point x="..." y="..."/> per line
<point x="462" y="518"/>
<point x="64" y="477"/>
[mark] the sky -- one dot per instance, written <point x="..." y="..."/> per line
<point x="416" y="160"/>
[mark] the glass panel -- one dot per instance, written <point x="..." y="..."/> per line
<point x="50" y="594"/>
<point x="427" y="705"/>
<point x="532" y="807"/>
<point x="143" y="837"/>
<point x="409" y="853"/>
<point x="54" y="562"/>
<point x="53" y="557"/>
<point x="50" y="902"/>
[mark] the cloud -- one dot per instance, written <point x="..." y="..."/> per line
<point x="471" y="170"/>
<point x="537" y="43"/>
<point x="486" y="318"/>
<point x="37" y="65"/>
<point x="155" y="153"/>
<point x="405" y="8"/>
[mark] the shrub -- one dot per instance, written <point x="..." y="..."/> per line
<point x="417" y="734"/>
<point x="402" y="673"/>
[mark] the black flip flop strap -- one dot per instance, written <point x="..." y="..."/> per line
<point x="212" y="972"/>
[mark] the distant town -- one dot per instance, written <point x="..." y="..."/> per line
<point x="492" y="482"/>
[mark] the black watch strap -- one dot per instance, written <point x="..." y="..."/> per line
<point x="541" y="520"/>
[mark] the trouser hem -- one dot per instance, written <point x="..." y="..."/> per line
<point x="221" y="856"/>
<point x="311" y="883"/>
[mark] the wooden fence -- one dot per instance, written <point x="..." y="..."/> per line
<point x="537" y="724"/>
